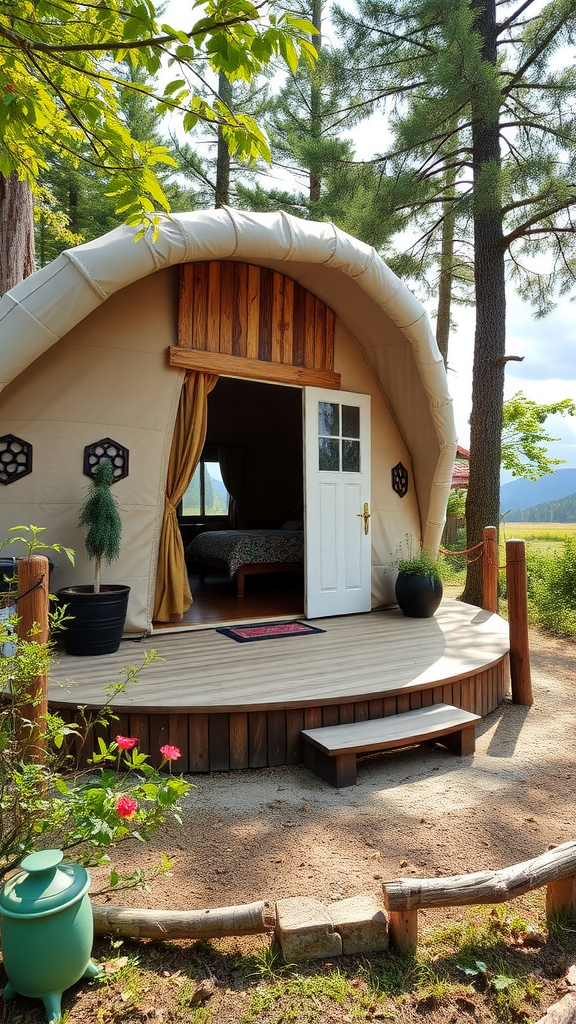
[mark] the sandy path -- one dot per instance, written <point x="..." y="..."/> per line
<point x="284" y="832"/>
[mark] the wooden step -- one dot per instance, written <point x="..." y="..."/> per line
<point x="331" y="751"/>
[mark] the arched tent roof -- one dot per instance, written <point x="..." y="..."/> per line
<point x="381" y="314"/>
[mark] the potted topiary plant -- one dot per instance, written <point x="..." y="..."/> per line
<point x="97" y="612"/>
<point x="418" y="586"/>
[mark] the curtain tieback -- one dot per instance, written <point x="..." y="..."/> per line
<point x="169" y="507"/>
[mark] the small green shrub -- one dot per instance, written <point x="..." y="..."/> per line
<point x="552" y="589"/>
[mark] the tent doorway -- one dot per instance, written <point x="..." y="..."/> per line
<point x="250" y="478"/>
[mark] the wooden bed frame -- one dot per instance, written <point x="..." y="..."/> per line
<point x="250" y="569"/>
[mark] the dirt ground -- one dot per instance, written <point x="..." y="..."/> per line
<point x="276" y="832"/>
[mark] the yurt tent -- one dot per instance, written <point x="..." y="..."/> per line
<point x="120" y="343"/>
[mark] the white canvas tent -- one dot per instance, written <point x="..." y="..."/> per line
<point x="83" y="356"/>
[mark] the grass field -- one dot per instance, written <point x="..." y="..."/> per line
<point x="545" y="538"/>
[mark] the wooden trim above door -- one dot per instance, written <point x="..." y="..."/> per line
<point x="254" y="369"/>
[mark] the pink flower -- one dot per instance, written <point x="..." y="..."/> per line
<point x="126" y="742"/>
<point x="170" y="753"/>
<point x="126" y="806"/>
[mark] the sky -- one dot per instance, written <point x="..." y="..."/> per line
<point x="548" y="370"/>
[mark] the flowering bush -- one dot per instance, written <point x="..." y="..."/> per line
<point x="45" y="799"/>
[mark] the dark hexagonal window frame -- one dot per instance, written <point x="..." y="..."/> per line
<point x="19" y="462"/>
<point x="399" y="479"/>
<point x="106" y="448"/>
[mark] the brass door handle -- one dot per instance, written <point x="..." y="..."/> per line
<point x="365" y="515"/>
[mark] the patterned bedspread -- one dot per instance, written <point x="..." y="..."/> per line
<point x="244" y="547"/>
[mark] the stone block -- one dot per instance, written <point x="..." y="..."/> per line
<point x="304" y="930"/>
<point x="361" y="922"/>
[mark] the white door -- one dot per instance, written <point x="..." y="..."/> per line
<point x="337" y="502"/>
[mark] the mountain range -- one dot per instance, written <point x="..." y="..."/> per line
<point x="519" y="495"/>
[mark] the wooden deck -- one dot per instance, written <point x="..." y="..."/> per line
<point x="230" y="706"/>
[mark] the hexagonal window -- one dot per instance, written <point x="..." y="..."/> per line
<point x="106" y="449"/>
<point x="15" y="458"/>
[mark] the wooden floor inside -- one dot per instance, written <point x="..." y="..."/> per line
<point x="271" y="596"/>
<point x="227" y="705"/>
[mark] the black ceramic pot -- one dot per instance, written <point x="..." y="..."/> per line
<point x="97" y="622"/>
<point x="418" y="596"/>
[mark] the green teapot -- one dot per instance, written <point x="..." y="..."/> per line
<point x="47" y="929"/>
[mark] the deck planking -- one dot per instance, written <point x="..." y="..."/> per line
<point x="359" y="658"/>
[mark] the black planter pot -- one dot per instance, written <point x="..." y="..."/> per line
<point x="98" y="619"/>
<point x="418" y="596"/>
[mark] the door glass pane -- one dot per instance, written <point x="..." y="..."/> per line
<point x="328" y="454"/>
<point x="350" y="421"/>
<point x="216" y="496"/>
<point x="329" y="419"/>
<point x="191" y="499"/>
<point x="350" y="456"/>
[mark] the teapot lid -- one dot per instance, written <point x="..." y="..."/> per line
<point x="43" y="886"/>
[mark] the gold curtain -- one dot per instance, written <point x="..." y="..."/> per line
<point x="173" y="596"/>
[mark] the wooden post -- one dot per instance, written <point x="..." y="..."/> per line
<point x="518" y="622"/>
<point x="490" y="569"/>
<point x="32" y="610"/>
<point x="561" y="897"/>
<point x="403" y="928"/>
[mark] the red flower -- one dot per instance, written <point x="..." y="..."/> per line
<point x="170" y="753"/>
<point x="126" y="742"/>
<point x="126" y="806"/>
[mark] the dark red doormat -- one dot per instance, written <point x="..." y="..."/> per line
<point x="268" y="631"/>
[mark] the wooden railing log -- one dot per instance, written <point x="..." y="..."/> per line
<point x="403" y="929"/>
<point x="126" y="922"/>
<point x="561" y="896"/>
<point x="484" y="886"/>
<point x="490" y="569"/>
<point x="516" y="584"/>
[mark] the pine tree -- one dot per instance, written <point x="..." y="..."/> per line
<point x="485" y="100"/>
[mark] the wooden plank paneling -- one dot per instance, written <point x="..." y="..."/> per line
<point x="276" y="737"/>
<point x="299" y="326"/>
<point x="287" y="325"/>
<point x="200" y="312"/>
<point x="239" y="740"/>
<point x="389" y="706"/>
<point x="240" y="311"/>
<point x="361" y="711"/>
<point x="213" y="313"/>
<point x="402" y="703"/>
<point x="465" y="694"/>
<point x="227" y="305"/>
<point x="198" y="743"/>
<point x="277" y="326"/>
<point x="158" y="737"/>
<point x="253" y="312"/>
<point x="219" y="743"/>
<point x="312" y="718"/>
<point x="376" y="708"/>
<point x="294" y="726"/>
<point x="257" y="739"/>
<point x="427" y="698"/>
<point x="319" y="334"/>
<point x="415" y="700"/>
<point x="257" y="369"/>
<point x="310" y="325"/>
<point x="178" y="737"/>
<point x="265" y="319"/>
<point x="330" y="714"/>
<point x="186" y="305"/>
<point x="140" y="727"/>
<point x="345" y="713"/>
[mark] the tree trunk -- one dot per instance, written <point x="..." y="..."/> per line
<point x="483" y="502"/>
<point x="16" y="232"/>
<point x="446" y="270"/>
<point x="315" y="181"/>
<point x="223" y="158"/>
